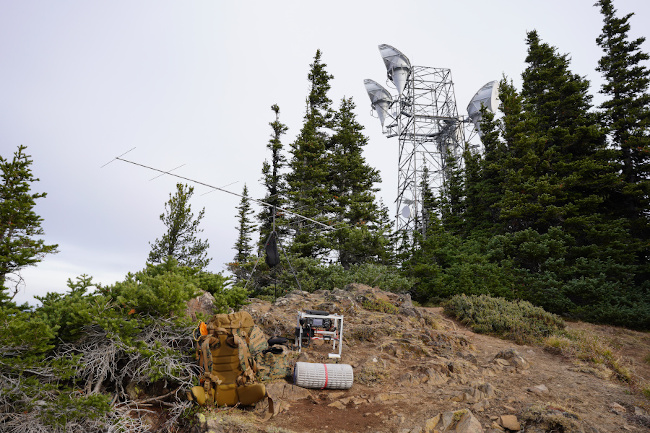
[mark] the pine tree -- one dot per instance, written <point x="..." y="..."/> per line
<point x="245" y="228"/>
<point x="361" y="237"/>
<point x="181" y="241"/>
<point x="626" y="115"/>
<point x="517" y="207"/>
<point x="554" y="210"/>
<point x="430" y="204"/>
<point x="308" y="176"/>
<point x="474" y="216"/>
<point x="557" y="167"/>
<point x="452" y="203"/>
<point x="484" y="178"/>
<point x="274" y="182"/>
<point x="19" y="224"/>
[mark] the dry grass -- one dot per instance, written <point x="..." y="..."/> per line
<point x="380" y="305"/>
<point x="589" y="348"/>
<point x="552" y="418"/>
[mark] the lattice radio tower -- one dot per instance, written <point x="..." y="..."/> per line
<point x="425" y="119"/>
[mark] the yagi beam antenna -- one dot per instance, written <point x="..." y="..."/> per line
<point x="117" y="157"/>
<point x="219" y="189"/>
<point x="167" y="172"/>
<point x="210" y="192"/>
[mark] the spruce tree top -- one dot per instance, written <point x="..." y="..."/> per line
<point x="19" y="224"/>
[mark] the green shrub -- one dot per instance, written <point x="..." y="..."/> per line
<point x="70" y="312"/>
<point x="69" y="408"/>
<point x="516" y="320"/>
<point x="313" y="276"/>
<point x="387" y="278"/>
<point x="163" y="290"/>
<point x="24" y="336"/>
<point x="158" y="290"/>
<point x="76" y="345"/>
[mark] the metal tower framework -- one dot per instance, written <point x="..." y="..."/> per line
<point x="426" y="120"/>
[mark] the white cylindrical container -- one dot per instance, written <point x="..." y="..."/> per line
<point x="323" y="376"/>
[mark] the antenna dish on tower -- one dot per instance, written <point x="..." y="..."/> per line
<point x="398" y="66"/>
<point x="380" y="99"/>
<point x="487" y="95"/>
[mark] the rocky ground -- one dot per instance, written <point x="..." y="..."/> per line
<point x="416" y="370"/>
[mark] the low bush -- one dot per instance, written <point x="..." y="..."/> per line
<point x="312" y="275"/>
<point x="78" y="353"/>
<point x="516" y="320"/>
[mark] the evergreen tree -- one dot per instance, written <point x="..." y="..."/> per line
<point x="452" y="203"/>
<point x="474" y="202"/>
<point x="19" y="224"/>
<point x="309" y="191"/>
<point x="245" y="228"/>
<point x="430" y="204"/>
<point x="544" y="214"/>
<point x="361" y="237"/>
<point x="626" y="115"/>
<point x="484" y="179"/>
<point x="180" y="241"/>
<point x="556" y="167"/>
<point x="518" y="164"/>
<point x="274" y="182"/>
<point x="554" y="211"/>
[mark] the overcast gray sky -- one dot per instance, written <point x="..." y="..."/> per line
<point x="192" y="83"/>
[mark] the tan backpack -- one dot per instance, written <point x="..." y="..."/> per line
<point x="226" y="355"/>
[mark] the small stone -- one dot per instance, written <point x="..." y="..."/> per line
<point x="359" y="400"/>
<point x="617" y="408"/>
<point x="462" y="421"/>
<point x="432" y="423"/>
<point x="203" y="422"/>
<point x="463" y="396"/>
<point x="539" y="389"/>
<point x="510" y="422"/>
<point x="337" y="405"/>
<point x="381" y="397"/>
<point x="514" y="358"/>
<point x="639" y="412"/>
<point x="487" y="389"/>
<point x="286" y="391"/>
<point x="481" y="406"/>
